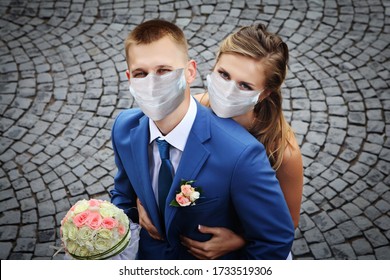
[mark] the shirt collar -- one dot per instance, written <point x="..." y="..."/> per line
<point x="179" y="135"/>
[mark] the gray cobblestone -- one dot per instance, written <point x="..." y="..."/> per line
<point x="305" y="222"/>
<point x="25" y="245"/>
<point x="309" y="207"/>
<point x="362" y="222"/>
<point x="46" y="208"/>
<point x="338" y="216"/>
<point x="46" y="235"/>
<point x="334" y="236"/>
<point x="362" y="246"/>
<point x="343" y="252"/>
<point x="43" y="250"/>
<point x="76" y="188"/>
<point x="300" y="247"/>
<point x="323" y="221"/>
<point x="314" y="235"/>
<point x="350" y="177"/>
<point x="351" y="209"/>
<point x="46" y="223"/>
<point x="28" y="231"/>
<point x="320" y="250"/>
<point x="361" y="203"/>
<point x="382" y="206"/>
<point x="376" y="238"/>
<point x="62" y="205"/>
<point x="349" y="229"/>
<point x="382" y="253"/>
<point x="8" y="233"/>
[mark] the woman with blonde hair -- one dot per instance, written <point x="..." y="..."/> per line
<point x="245" y="85"/>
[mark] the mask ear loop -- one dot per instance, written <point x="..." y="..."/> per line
<point x="263" y="95"/>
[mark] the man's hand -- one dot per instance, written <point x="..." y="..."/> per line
<point x="146" y="223"/>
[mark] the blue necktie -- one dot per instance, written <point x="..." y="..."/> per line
<point x="165" y="174"/>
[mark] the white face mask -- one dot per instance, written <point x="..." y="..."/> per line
<point x="159" y="95"/>
<point x="226" y="99"/>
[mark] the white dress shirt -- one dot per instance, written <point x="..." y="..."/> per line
<point x="177" y="138"/>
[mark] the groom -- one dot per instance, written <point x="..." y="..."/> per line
<point x="172" y="138"/>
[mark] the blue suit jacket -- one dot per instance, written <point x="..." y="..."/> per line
<point x="240" y="190"/>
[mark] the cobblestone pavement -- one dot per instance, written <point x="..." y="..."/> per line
<point x="62" y="83"/>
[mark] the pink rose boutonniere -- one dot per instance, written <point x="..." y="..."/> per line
<point x="187" y="194"/>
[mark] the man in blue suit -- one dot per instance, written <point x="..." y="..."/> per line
<point x="239" y="187"/>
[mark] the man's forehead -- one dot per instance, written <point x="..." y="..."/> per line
<point x="155" y="60"/>
<point x="161" y="52"/>
<point x="150" y="62"/>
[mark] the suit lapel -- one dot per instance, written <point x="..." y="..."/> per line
<point x="139" y="147"/>
<point x="193" y="158"/>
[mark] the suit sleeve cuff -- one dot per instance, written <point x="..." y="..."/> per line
<point x="132" y="213"/>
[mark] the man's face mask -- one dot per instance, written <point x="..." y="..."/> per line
<point x="226" y="99"/>
<point x="159" y="95"/>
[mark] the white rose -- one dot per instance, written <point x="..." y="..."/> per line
<point x="81" y="206"/>
<point x="194" y="196"/>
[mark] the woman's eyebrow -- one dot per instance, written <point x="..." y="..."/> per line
<point x="248" y="83"/>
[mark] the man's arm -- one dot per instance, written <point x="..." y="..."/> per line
<point x="123" y="194"/>
<point x="261" y="207"/>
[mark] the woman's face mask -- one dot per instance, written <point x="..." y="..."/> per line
<point x="226" y="99"/>
<point x="159" y="95"/>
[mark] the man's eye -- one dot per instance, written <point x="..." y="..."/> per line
<point x="139" y="75"/>
<point x="162" y="71"/>
<point x="224" y="75"/>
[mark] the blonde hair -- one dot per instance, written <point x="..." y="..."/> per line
<point x="269" y="125"/>
<point x="154" y="30"/>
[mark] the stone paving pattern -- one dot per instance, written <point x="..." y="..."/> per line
<point x="62" y="83"/>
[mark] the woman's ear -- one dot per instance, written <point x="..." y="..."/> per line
<point x="190" y="71"/>
<point x="128" y="74"/>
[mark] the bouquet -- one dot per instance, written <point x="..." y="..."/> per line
<point x="95" y="229"/>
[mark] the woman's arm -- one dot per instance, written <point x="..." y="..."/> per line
<point x="290" y="176"/>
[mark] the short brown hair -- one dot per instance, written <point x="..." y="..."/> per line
<point x="153" y="30"/>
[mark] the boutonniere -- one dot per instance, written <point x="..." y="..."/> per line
<point x="187" y="194"/>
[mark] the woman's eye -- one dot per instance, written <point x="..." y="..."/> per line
<point x="162" y="71"/>
<point x="244" y="86"/>
<point x="224" y="75"/>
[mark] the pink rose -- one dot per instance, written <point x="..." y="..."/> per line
<point x="80" y="219"/>
<point x="187" y="190"/>
<point x="182" y="200"/>
<point x="94" y="202"/>
<point x="94" y="220"/>
<point x="109" y="223"/>
<point x="121" y="229"/>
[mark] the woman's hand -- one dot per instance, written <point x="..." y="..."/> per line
<point x="223" y="241"/>
<point x="146" y="223"/>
